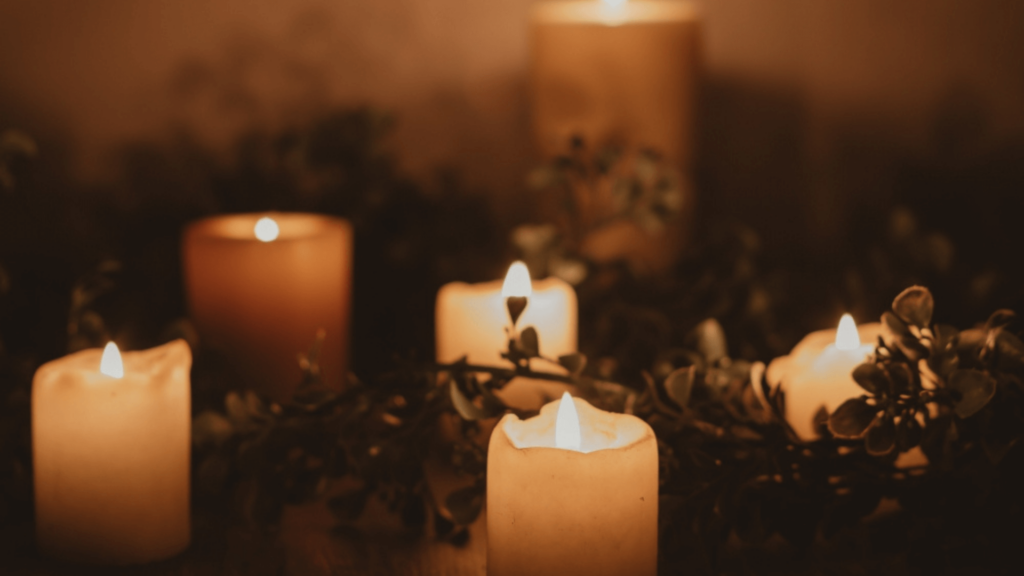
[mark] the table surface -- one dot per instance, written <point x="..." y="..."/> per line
<point x="305" y="544"/>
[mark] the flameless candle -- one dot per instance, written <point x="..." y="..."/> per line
<point x="110" y="444"/>
<point x="818" y="372"/>
<point x="260" y="288"/>
<point x="573" y="490"/>
<point x="615" y="70"/>
<point x="471" y="320"/>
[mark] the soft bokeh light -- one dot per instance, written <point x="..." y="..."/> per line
<point x="266" y="229"/>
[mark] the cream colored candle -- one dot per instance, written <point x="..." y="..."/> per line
<point x="573" y="490"/>
<point x="471" y="319"/>
<point x="111" y="455"/>
<point x="818" y="372"/>
<point x="621" y="71"/>
<point x="261" y="286"/>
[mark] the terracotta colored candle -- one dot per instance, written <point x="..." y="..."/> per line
<point x="573" y="490"/>
<point x="260" y="288"/>
<point x="818" y="372"/>
<point x="615" y="70"/>
<point x="110" y="444"/>
<point x="471" y="320"/>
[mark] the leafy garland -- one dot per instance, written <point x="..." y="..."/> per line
<point x="731" y="466"/>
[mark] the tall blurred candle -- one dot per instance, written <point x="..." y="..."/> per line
<point x="260" y="288"/>
<point x="818" y="372"/>
<point x="471" y="320"/>
<point x="615" y="70"/>
<point x="110" y="443"/>
<point x="573" y="490"/>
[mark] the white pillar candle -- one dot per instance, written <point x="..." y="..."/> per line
<point x="819" y="371"/>
<point x="261" y="286"/>
<point x="569" y="497"/>
<point x="111" y="455"/>
<point x="622" y="71"/>
<point x="470" y="321"/>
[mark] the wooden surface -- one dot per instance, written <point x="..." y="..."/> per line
<point x="305" y="545"/>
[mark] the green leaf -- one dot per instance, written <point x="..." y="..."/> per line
<point x="711" y="340"/>
<point x="975" y="388"/>
<point x="915" y="306"/>
<point x="1000" y="319"/>
<point x="679" y="385"/>
<point x="465" y="504"/>
<point x="465" y="407"/>
<point x="852" y="418"/>
<point x="211" y="428"/>
<point x="574" y="363"/>
<point x="529" y="342"/>
<point x="908" y="434"/>
<point x="871" y="378"/>
<point x="881" y="437"/>
<point x="349" y="506"/>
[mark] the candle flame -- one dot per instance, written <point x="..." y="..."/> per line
<point x="567" y="425"/>
<point x="517" y="282"/>
<point x="266" y="229"/>
<point x="110" y="363"/>
<point x="846" y="336"/>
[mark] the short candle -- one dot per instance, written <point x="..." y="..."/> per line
<point x="819" y="371"/>
<point x="472" y="319"/>
<point x="111" y="450"/>
<point x="573" y="490"/>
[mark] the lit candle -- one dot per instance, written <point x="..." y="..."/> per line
<point x="818" y="372"/>
<point x="573" y="490"/>
<point x="110" y="444"/>
<point x="615" y="70"/>
<point x="261" y="287"/>
<point x="471" y="321"/>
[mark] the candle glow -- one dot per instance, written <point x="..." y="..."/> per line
<point x="567" y="425"/>
<point x="847" y="337"/>
<point x="517" y="282"/>
<point x="110" y="363"/>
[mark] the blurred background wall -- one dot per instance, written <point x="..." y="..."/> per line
<point x="810" y="108"/>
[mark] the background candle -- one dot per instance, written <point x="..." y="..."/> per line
<point x="561" y="511"/>
<point x="615" y="71"/>
<point x="818" y="372"/>
<point x="111" y="456"/>
<point x="263" y="300"/>
<point x="471" y="320"/>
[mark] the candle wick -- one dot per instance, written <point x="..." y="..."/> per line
<point x="516" y="305"/>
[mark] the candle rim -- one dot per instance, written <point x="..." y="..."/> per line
<point x="237" y="228"/>
<point x="595" y="12"/>
<point x="635" y="430"/>
<point x="146" y="364"/>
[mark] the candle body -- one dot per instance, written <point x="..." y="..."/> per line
<point x="112" y="456"/>
<point x="625" y="74"/>
<point x="558" y="512"/>
<point x="262" y="303"/>
<point x="470" y="320"/>
<point x="817" y="374"/>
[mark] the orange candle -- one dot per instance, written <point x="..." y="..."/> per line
<point x="615" y="70"/>
<point x="110" y="445"/>
<point x="260" y="288"/>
